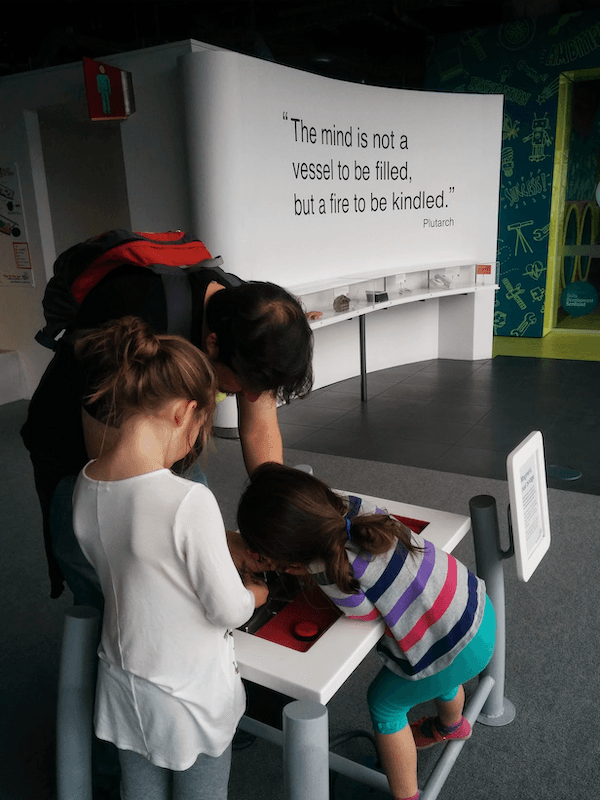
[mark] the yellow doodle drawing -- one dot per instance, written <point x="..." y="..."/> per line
<point x="548" y="91"/>
<point x="521" y="240"/>
<point x="532" y="73"/>
<point x="562" y="21"/>
<point x="537" y="293"/>
<point x="502" y="251"/>
<point x="510" y="129"/>
<point x="535" y="270"/>
<point x="540" y="234"/>
<point x="527" y="188"/>
<point x="514" y="293"/>
<point x="472" y="37"/>
<point x="499" y="320"/>
<point x="539" y="137"/>
<point x="508" y="161"/>
<point x="528" y="320"/>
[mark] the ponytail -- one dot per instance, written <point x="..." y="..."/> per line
<point x="294" y="518"/>
<point x="130" y="369"/>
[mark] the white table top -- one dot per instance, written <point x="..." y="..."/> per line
<point x="318" y="673"/>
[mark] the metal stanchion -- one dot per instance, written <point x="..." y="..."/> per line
<point x="497" y="710"/>
<point x="75" y="704"/>
<point x="437" y="779"/>
<point x="305" y="751"/>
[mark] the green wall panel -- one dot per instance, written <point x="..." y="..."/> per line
<point x="523" y="61"/>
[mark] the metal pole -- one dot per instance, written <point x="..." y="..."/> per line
<point x="305" y="751"/>
<point x="296" y="784"/>
<point x="437" y="779"/>
<point x="363" y="356"/>
<point x="497" y="710"/>
<point x="75" y="704"/>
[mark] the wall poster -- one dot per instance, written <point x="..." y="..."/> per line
<point x="15" y="264"/>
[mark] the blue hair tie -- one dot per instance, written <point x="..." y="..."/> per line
<point x="348" y="526"/>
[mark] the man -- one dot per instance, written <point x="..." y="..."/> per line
<point x="255" y="334"/>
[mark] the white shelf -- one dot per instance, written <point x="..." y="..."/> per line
<point x="454" y="278"/>
<point x="374" y="274"/>
<point x="331" y="317"/>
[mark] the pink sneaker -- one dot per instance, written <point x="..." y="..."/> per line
<point x="426" y="733"/>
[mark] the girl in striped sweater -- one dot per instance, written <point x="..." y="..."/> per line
<point x="440" y="623"/>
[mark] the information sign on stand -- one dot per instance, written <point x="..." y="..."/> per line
<point x="526" y="473"/>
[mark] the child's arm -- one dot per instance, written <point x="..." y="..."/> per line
<point x="202" y="543"/>
<point x="354" y="606"/>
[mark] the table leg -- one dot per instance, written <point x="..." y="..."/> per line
<point x="305" y="751"/>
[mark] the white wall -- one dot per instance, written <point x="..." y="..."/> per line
<point x="267" y="148"/>
<point x="150" y="172"/>
<point x="273" y="149"/>
<point x="85" y="174"/>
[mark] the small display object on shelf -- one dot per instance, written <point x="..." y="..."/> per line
<point x="440" y="281"/>
<point x="377" y="297"/>
<point x="341" y="303"/>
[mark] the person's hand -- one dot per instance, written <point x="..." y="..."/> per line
<point x="258" y="588"/>
<point x="314" y="314"/>
<point x="296" y="569"/>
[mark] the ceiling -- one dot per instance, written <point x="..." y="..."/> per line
<point x="380" y="42"/>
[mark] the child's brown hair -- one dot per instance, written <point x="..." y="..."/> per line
<point x="131" y="369"/>
<point x="294" y="518"/>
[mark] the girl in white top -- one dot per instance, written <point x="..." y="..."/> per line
<point x="169" y="695"/>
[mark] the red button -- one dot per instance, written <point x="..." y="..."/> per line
<point x="306" y="631"/>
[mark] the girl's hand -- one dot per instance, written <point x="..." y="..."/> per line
<point x="296" y="569"/>
<point x="258" y="588"/>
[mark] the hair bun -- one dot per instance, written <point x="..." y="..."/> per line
<point x="134" y="342"/>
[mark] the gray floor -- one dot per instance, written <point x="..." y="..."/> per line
<point x="550" y="750"/>
<point x="459" y="416"/>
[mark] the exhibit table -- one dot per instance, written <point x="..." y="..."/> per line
<point x="319" y="672"/>
<point x="310" y="679"/>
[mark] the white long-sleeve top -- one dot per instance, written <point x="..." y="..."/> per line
<point x="168" y="686"/>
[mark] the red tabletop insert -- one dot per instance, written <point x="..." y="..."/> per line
<point x="303" y="621"/>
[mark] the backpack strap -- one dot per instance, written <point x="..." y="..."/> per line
<point x="178" y="294"/>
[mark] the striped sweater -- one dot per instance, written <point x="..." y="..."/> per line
<point x="431" y="603"/>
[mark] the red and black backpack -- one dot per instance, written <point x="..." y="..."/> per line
<point x="172" y="255"/>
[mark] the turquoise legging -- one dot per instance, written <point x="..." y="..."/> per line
<point x="391" y="697"/>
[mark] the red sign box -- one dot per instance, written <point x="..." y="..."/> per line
<point x="105" y="91"/>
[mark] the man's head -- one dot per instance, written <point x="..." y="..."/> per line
<point x="259" y="340"/>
